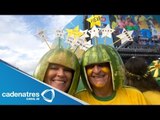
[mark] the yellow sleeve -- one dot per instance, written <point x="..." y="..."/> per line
<point x="152" y="97"/>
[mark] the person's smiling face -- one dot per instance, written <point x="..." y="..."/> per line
<point x="59" y="76"/>
<point x="99" y="75"/>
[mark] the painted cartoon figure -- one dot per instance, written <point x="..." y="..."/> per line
<point x="143" y="25"/>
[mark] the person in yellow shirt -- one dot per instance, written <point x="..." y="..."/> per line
<point x="139" y="77"/>
<point x="103" y="75"/>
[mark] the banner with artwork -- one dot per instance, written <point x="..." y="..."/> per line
<point x="146" y="28"/>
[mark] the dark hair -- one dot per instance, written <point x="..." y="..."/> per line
<point x="138" y="76"/>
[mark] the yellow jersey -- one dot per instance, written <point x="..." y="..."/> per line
<point x="152" y="97"/>
<point x="123" y="96"/>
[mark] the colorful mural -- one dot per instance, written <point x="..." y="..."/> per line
<point x="146" y="28"/>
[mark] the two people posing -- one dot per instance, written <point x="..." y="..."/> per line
<point x="102" y="72"/>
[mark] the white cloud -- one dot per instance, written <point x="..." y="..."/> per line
<point x="19" y="46"/>
<point x="57" y="22"/>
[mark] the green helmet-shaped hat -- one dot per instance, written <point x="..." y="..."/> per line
<point x="63" y="57"/>
<point x="102" y="54"/>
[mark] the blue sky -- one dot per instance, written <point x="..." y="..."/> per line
<point x="19" y="44"/>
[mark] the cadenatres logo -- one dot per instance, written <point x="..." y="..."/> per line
<point x="48" y="95"/>
<point x="46" y="98"/>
